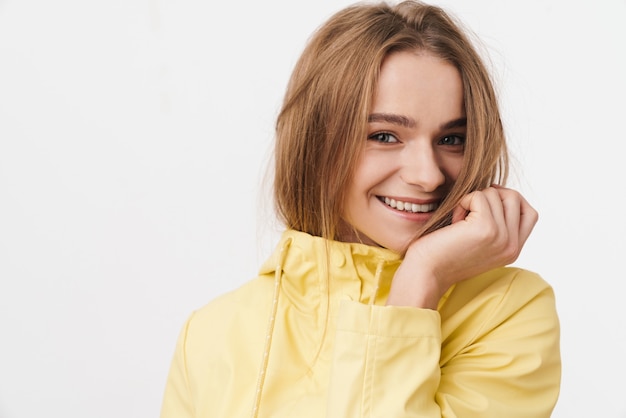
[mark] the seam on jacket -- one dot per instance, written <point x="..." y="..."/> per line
<point x="324" y="289"/>
<point x="370" y="357"/>
<point x="378" y="278"/>
<point x="184" y="354"/>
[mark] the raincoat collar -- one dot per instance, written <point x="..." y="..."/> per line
<point x="360" y="272"/>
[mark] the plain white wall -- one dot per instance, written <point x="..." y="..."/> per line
<point x="133" y="139"/>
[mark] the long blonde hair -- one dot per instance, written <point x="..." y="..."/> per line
<point x="321" y="128"/>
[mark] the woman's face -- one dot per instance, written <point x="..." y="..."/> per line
<point x="414" y="150"/>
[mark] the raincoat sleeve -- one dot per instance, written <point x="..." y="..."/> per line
<point x="387" y="360"/>
<point x="177" y="401"/>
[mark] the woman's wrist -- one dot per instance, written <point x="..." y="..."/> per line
<point x="415" y="287"/>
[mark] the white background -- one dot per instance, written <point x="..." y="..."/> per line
<point x="133" y="140"/>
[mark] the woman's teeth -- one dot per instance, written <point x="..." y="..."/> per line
<point x="410" y="207"/>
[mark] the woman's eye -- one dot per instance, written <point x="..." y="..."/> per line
<point x="452" y="140"/>
<point x="383" y="137"/>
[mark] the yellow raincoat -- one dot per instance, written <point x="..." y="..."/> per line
<point x="311" y="337"/>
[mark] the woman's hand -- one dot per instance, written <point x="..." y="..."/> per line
<point x="488" y="230"/>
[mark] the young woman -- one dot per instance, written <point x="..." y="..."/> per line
<point x="387" y="295"/>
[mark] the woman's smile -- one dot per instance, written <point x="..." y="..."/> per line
<point x="406" y="206"/>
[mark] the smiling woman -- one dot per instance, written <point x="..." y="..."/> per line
<point x="388" y="293"/>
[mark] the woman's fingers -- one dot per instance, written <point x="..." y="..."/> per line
<point x="503" y="216"/>
<point x="520" y="218"/>
<point x="529" y="217"/>
<point x="485" y="209"/>
<point x="511" y="204"/>
<point x="476" y="205"/>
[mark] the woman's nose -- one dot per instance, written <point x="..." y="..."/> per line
<point x="421" y="168"/>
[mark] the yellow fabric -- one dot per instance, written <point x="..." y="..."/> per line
<point x="490" y="350"/>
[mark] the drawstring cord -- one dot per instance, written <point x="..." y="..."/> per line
<point x="270" y="328"/>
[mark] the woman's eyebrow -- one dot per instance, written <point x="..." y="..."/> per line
<point x="407" y="122"/>
<point x="392" y="118"/>
<point x="456" y="123"/>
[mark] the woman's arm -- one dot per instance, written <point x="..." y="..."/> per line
<point x="496" y="356"/>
